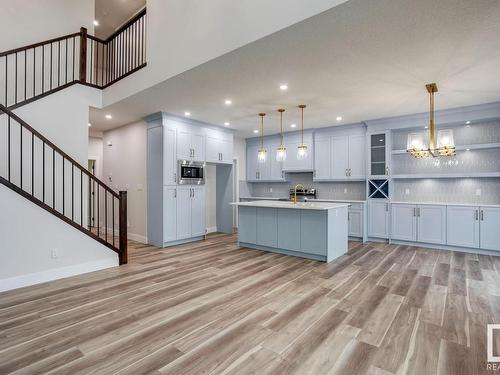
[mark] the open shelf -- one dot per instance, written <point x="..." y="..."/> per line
<point x="448" y="175"/>
<point x="480" y="146"/>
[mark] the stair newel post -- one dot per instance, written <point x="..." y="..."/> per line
<point x="122" y="212"/>
<point x="83" y="54"/>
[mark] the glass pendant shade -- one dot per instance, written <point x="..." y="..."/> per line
<point x="301" y="152"/>
<point x="302" y="148"/>
<point x="417" y="142"/>
<point x="262" y="155"/>
<point x="445" y="142"/>
<point x="281" y="150"/>
<point x="281" y="153"/>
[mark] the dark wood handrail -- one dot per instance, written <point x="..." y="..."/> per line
<point x="39" y="44"/>
<point x="58" y="63"/>
<point x="126" y="25"/>
<point x="57" y="149"/>
<point x="42" y="189"/>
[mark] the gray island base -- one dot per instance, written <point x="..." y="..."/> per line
<point x="313" y="230"/>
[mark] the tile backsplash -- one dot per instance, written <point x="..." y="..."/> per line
<point x="326" y="190"/>
<point x="449" y="190"/>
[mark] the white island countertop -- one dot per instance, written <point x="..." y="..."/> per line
<point x="297" y="206"/>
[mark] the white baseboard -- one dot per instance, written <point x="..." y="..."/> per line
<point x="137" y="237"/>
<point x="212" y="230"/>
<point x="132" y="236"/>
<point x="55" y="273"/>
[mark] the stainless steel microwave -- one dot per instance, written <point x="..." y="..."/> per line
<point x="190" y="172"/>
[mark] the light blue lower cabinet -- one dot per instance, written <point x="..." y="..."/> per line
<point x="314" y="232"/>
<point x="247" y="224"/>
<point x="289" y="229"/>
<point x="267" y="226"/>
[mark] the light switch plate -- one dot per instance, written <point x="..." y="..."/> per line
<point x="407" y="191"/>
<point x="478" y="192"/>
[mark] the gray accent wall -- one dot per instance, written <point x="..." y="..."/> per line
<point x="355" y="190"/>
<point x="448" y="190"/>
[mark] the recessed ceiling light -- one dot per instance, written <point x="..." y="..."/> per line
<point x="228" y="102"/>
<point x="339" y="118"/>
<point x="256" y="131"/>
<point x="109" y="117"/>
<point x="96" y="23"/>
<point x="187" y="113"/>
<point x="467" y="122"/>
<point x="293" y="125"/>
<point x="227" y="123"/>
<point x="283" y="87"/>
<point x="89" y="124"/>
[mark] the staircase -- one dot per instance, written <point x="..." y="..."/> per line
<point x="34" y="167"/>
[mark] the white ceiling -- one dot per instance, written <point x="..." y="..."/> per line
<point x="111" y="14"/>
<point x="361" y="60"/>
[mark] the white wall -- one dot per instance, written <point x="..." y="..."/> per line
<point x="28" y="236"/>
<point x="95" y="153"/>
<point x="125" y="163"/>
<point x="182" y="34"/>
<point x="26" y="21"/>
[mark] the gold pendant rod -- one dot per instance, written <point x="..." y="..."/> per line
<point x="431" y="88"/>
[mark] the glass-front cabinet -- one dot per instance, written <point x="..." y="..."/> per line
<point x="379" y="154"/>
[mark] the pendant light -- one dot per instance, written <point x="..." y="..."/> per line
<point x="302" y="148"/>
<point x="262" y="154"/>
<point x="420" y="146"/>
<point x="281" y="150"/>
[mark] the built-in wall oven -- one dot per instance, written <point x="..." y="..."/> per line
<point x="190" y="172"/>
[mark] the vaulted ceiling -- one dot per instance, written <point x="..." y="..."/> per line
<point x="360" y="60"/>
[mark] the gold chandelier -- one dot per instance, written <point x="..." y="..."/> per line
<point x="417" y="144"/>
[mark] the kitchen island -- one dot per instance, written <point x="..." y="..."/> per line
<point x="313" y="230"/>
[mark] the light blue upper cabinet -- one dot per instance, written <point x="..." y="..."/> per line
<point x="271" y="170"/>
<point x="292" y="163"/>
<point x="251" y="160"/>
<point x="322" y="159"/>
<point x="190" y="143"/>
<point x="169" y="159"/>
<point x="357" y="159"/>
<point x="379" y="154"/>
<point x="340" y="158"/>
<point x="219" y="146"/>
<point x="340" y="154"/>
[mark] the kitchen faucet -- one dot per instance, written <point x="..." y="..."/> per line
<point x="295" y="192"/>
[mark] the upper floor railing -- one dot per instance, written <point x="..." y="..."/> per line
<point x="31" y="72"/>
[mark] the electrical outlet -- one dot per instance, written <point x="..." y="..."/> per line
<point x="478" y="192"/>
<point x="54" y="253"/>
<point x="407" y="191"/>
<point x="270" y="189"/>
<point x="345" y="190"/>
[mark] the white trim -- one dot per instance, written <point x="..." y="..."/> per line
<point x="137" y="237"/>
<point x="55" y="274"/>
<point x="211" y="230"/>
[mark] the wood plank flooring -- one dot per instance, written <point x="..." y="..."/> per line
<point x="211" y="307"/>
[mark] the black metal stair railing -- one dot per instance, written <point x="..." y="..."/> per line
<point x="37" y="169"/>
<point x="32" y="72"/>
